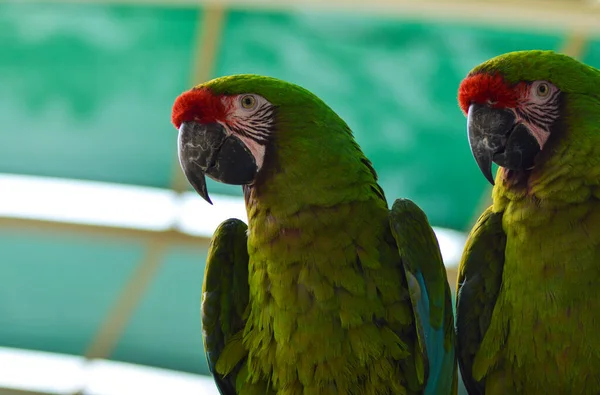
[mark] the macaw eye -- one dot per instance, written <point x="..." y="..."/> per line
<point x="248" y="102"/>
<point x="542" y="90"/>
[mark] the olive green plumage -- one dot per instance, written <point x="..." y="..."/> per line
<point x="527" y="311"/>
<point x="312" y="297"/>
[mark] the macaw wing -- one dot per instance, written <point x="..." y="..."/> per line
<point x="224" y="301"/>
<point x="479" y="281"/>
<point x="430" y="295"/>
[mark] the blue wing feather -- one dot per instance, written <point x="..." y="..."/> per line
<point x="426" y="276"/>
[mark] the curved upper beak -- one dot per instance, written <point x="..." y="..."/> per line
<point x="207" y="149"/>
<point x="496" y="136"/>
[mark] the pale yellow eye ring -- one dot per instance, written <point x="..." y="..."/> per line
<point x="543" y="90"/>
<point x="248" y="102"/>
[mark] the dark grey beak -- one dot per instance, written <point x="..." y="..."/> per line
<point x="206" y="149"/>
<point x="495" y="136"/>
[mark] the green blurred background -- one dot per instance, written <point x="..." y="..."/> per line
<point x="86" y="90"/>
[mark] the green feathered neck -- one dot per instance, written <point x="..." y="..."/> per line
<point x="313" y="161"/>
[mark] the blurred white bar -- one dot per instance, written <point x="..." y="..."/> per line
<point x="61" y="374"/>
<point x="198" y="218"/>
<point x="106" y="204"/>
<point x="38" y="371"/>
<point x="451" y="244"/>
<point x="86" y="202"/>
<point x="119" y="378"/>
<point x="580" y="16"/>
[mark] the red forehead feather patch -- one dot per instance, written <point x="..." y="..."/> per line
<point x="488" y="88"/>
<point x="199" y="105"/>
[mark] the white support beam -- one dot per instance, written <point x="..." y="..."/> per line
<point x="28" y="372"/>
<point x="548" y="15"/>
<point x="114" y="210"/>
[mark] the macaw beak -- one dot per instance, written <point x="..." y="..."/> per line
<point x="496" y="136"/>
<point x="207" y="149"/>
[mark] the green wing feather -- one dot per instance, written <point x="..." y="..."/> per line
<point x="224" y="302"/>
<point x="430" y="295"/>
<point x="479" y="281"/>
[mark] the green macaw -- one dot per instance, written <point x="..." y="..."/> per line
<point x="526" y="312"/>
<point x="326" y="291"/>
